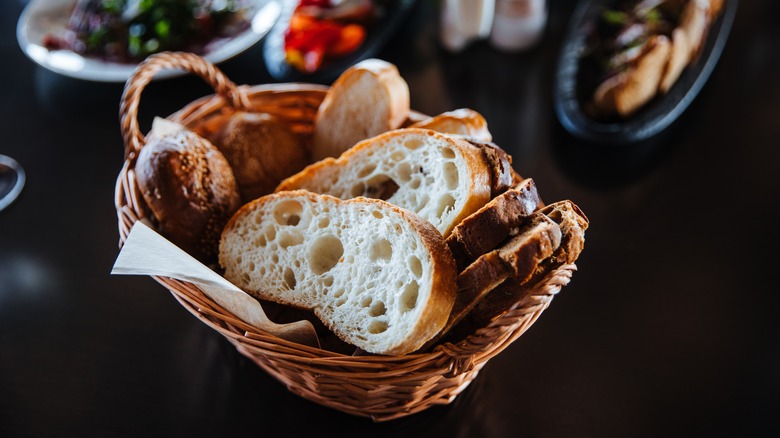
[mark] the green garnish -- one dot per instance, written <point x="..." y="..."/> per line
<point x="653" y="15"/>
<point x="163" y="28"/>
<point x="615" y="18"/>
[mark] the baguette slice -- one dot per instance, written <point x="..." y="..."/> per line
<point x="573" y="223"/>
<point x="485" y="229"/>
<point x="518" y="258"/>
<point x="440" y="177"/>
<point x="378" y="276"/>
<point x="367" y="99"/>
<point x="499" y="163"/>
<point x="463" y="121"/>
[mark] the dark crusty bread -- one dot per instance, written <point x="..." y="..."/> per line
<point x="573" y="223"/>
<point x="379" y="276"/>
<point x="500" y="164"/>
<point x="261" y="150"/>
<point x="518" y="258"/>
<point x="190" y="189"/>
<point x="463" y="121"/>
<point x="485" y="229"/>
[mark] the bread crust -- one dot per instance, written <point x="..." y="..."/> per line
<point x="327" y="170"/>
<point x="573" y="223"/>
<point x="518" y="258"/>
<point x="261" y="150"/>
<point x="190" y="189"/>
<point x="513" y="290"/>
<point x="462" y="121"/>
<point x="339" y="124"/>
<point x="499" y="163"/>
<point x="485" y="229"/>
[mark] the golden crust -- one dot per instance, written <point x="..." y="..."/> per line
<point x="372" y="90"/>
<point x="317" y="176"/>
<point x="463" y="121"/>
<point x="190" y="189"/>
<point x="443" y="272"/>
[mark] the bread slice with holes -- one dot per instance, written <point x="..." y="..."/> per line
<point x="367" y="99"/>
<point x="441" y="178"/>
<point x="378" y="276"/>
<point x="462" y="121"/>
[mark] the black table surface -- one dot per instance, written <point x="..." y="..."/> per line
<point x="669" y="328"/>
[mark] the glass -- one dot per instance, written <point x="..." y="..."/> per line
<point x="12" y="179"/>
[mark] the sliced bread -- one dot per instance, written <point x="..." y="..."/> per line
<point x="378" y="276"/>
<point x="573" y="223"/>
<point x="500" y="164"/>
<point x="485" y="229"/>
<point x="463" y="121"/>
<point x="367" y="99"/>
<point x="518" y="258"/>
<point x="440" y="177"/>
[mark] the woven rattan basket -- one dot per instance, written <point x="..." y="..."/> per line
<point x="379" y="387"/>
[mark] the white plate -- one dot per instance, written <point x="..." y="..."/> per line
<point x="42" y="17"/>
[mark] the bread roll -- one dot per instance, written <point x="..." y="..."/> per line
<point x="189" y="188"/>
<point x="261" y="150"/>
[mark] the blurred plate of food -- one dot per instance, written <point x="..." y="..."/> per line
<point x="104" y="40"/>
<point x="629" y="68"/>
<point x="316" y="40"/>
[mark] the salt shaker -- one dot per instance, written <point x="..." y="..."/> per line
<point x="518" y="24"/>
<point x="464" y="21"/>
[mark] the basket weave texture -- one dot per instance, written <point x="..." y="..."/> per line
<point x="379" y="387"/>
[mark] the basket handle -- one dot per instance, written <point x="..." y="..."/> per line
<point x="143" y="74"/>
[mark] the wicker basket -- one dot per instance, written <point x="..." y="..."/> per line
<point x="379" y="387"/>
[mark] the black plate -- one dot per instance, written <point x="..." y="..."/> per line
<point x="657" y="114"/>
<point x="376" y="37"/>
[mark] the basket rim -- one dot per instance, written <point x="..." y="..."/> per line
<point x="214" y="102"/>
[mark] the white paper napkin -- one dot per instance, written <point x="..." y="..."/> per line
<point x="145" y="252"/>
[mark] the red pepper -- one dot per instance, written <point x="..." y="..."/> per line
<point x="319" y="33"/>
<point x="352" y="36"/>
<point x="308" y="39"/>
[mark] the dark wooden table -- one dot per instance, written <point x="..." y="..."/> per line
<point x="670" y="327"/>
